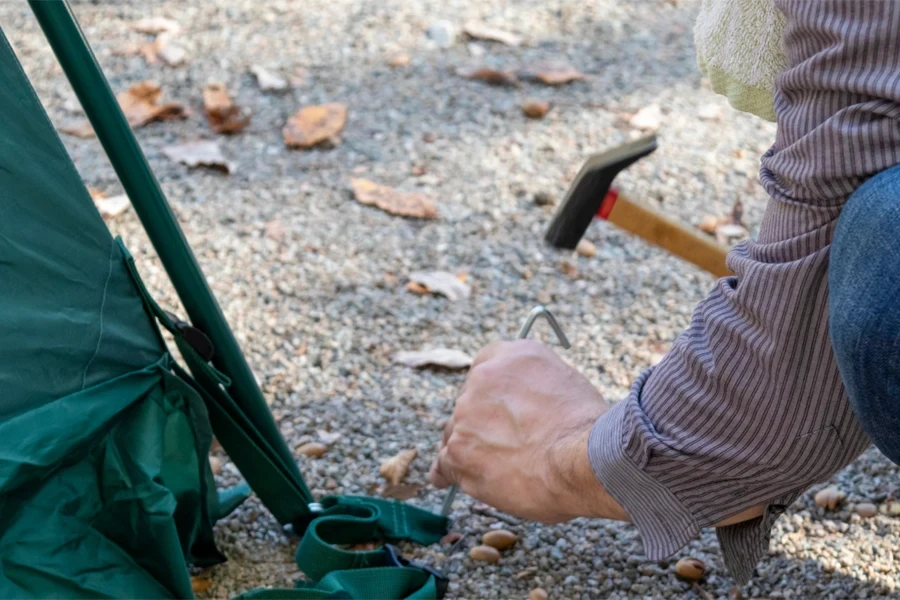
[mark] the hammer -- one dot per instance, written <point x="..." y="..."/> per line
<point x="591" y="196"/>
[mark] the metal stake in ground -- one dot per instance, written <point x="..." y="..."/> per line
<point x="539" y="311"/>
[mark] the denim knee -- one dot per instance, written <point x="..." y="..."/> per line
<point x="864" y="306"/>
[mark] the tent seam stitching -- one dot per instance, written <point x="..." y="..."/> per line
<point x="102" y="307"/>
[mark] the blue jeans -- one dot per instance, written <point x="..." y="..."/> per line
<point x="864" y="306"/>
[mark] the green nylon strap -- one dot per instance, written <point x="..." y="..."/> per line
<point x="356" y="519"/>
<point x="382" y="583"/>
<point x="339" y="573"/>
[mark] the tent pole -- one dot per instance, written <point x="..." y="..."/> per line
<point x="100" y="104"/>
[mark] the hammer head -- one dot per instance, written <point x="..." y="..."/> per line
<point x="586" y="194"/>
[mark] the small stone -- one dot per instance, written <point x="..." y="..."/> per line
<point x="735" y="593"/>
<point x="544" y="199"/>
<point x="648" y="118"/>
<point x="501" y="539"/>
<point x="330" y="484"/>
<point x="586" y="249"/>
<point x="710" y="112"/>
<point x="866" y="510"/>
<point x="893" y="508"/>
<point x="399" y="60"/>
<point x="476" y="50"/>
<point x="443" y="33"/>
<point x="312" y="449"/>
<point x="215" y="464"/>
<point x="538" y="594"/>
<point x="829" y="498"/>
<point x="690" y="569"/>
<point x="484" y="554"/>
<point x="570" y="580"/>
<point x="709" y="223"/>
<point x="535" y="109"/>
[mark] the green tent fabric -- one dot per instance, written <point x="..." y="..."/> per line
<point x="105" y="489"/>
<point x="105" y="485"/>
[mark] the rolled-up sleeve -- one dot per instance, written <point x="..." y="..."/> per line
<point x="748" y="407"/>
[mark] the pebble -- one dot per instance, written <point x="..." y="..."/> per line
<point x="501" y="539"/>
<point x="829" y="498"/>
<point x="312" y="449"/>
<point x="538" y="594"/>
<point x="486" y="554"/>
<point x="586" y="248"/>
<point x="443" y="34"/>
<point x="866" y="510"/>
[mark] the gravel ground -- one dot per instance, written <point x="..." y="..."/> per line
<point x="320" y="312"/>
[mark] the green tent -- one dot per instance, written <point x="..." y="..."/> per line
<point x="105" y="485"/>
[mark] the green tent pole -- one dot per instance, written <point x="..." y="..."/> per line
<point x="100" y="104"/>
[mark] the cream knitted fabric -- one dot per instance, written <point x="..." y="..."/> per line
<point x="740" y="48"/>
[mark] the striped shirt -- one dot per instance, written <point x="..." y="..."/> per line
<point x="748" y="407"/>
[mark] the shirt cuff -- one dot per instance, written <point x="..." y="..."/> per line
<point x="664" y="523"/>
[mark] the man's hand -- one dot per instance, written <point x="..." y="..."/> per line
<point x="517" y="439"/>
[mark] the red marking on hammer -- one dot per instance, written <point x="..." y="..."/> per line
<point x="608" y="202"/>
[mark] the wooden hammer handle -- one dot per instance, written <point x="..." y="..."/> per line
<point x="669" y="235"/>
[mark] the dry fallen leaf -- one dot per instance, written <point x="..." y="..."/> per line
<point x="480" y="31"/>
<point x="568" y="268"/>
<point x="416" y="288"/>
<point x="690" y="569"/>
<point x="451" y="538"/>
<point x="314" y="125"/>
<point x="80" y="129"/>
<point x="395" y="468"/>
<point x="140" y="103"/>
<point x="442" y="282"/>
<point x="535" y="109"/>
<point x="402" y="491"/>
<point x="267" y="80"/>
<point x="200" y="584"/>
<point x="737" y="212"/>
<point x="647" y="119"/>
<point x="154" y="25"/>
<point x="112" y="206"/>
<point x="328" y="437"/>
<point x="162" y="48"/>
<point x="223" y="115"/>
<point x="403" y="204"/>
<point x="488" y="75"/>
<point x="437" y="357"/>
<point x="398" y="60"/>
<point x="200" y="154"/>
<point x="553" y="73"/>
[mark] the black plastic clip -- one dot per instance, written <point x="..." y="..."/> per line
<point x="195" y="338"/>
<point x="393" y="558"/>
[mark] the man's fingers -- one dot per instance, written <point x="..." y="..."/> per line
<point x="487" y="353"/>
<point x="441" y="474"/>
<point x="448" y="431"/>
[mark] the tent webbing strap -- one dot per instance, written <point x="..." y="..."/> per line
<point x="334" y="521"/>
